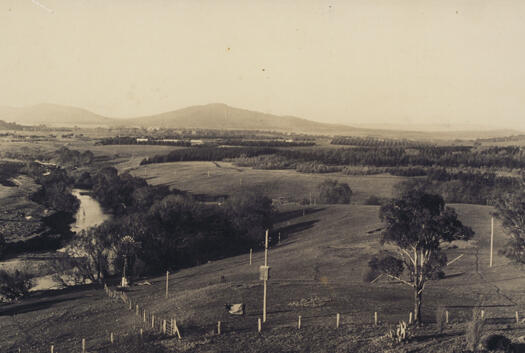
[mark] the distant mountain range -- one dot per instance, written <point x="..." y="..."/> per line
<point x="219" y="116"/>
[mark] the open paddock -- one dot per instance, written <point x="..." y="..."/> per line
<point x="222" y="178"/>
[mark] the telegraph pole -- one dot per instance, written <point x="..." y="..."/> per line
<point x="491" y="239"/>
<point x="167" y="280"/>
<point x="266" y="273"/>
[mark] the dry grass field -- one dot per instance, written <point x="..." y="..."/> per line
<point x="224" y="178"/>
<point x="316" y="272"/>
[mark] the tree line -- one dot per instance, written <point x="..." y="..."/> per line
<point x="441" y="156"/>
<point x="376" y="142"/>
<point x="173" y="229"/>
<point x="464" y="186"/>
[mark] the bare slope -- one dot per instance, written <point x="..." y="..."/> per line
<point x="53" y="115"/>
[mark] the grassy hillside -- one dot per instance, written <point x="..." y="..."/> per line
<point x="316" y="273"/>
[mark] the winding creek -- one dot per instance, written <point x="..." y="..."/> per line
<point x="89" y="214"/>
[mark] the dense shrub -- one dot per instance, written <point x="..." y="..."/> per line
<point x="73" y="158"/>
<point x="331" y="192"/>
<point x="497" y="342"/>
<point x="374" y="201"/>
<point x="55" y="191"/>
<point x="124" y="193"/>
<point x="9" y="170"/>
<point x="250" y="213"/>
<point x="14" y="285"/>
<point x="3" y="245"/>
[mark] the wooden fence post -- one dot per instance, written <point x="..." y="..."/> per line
<point x="52" y="349"/>
<point x="144" y="316"/>
<point x="446" y="316"/>
<point x="176" y="329"/>
<point x="219" y="328"/>
<point x="152" y="321"/>
<point x="141" y="332"/>
<point x="164" y="326"/>
<point x="337" y="318"/>
<point x="482" y="314"/>
<point x="111" y="338"/>
<point x="299" y="322"/>
<point x="83" y="345"/>
<point x="130" y="305"/>
<point x="410" y="318"/>
<point x="167" y="283"/>
<point x="375" y="318"/>
<point x="137" y="310"/>
<point x="259" y="325"/>
<point x="517" y="318"/>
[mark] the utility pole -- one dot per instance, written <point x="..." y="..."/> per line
<point x="167" y="279"/>
<point x="491" y="239"/>
<point x="265" y="275"/>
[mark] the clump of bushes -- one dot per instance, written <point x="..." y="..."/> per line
<point x="3" y="245"/>
<point x="374" y="201"/>
<point x="497" y="342"/>
<point x="332" y="192"/>
<point x="14" y="285"/>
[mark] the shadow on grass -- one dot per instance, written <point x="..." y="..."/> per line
<point x="22" y="308"/>
<point x="421" y="338"/>
<point x="295" y="228"/>
<point x="210" y="198"/>
<point x="288" y="215"/>
<point x="452" y="275"/>
<point x="479" y="306"/>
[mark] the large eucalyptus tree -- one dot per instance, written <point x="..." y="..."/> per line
<point x="415" y="227"/>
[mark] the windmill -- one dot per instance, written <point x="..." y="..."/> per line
<point x="129" y="247"/>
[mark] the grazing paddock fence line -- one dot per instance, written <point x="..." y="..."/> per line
<point x="167" y="326"/>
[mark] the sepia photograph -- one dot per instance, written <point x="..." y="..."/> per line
<point x="247" y="176"/>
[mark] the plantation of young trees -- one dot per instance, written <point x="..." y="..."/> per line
<point x="426" y="156"/>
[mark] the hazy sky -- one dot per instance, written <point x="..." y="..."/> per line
<point x="406" y="61"/>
